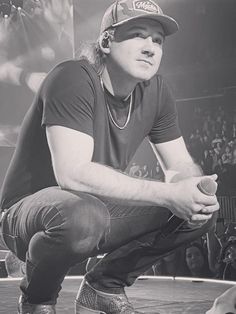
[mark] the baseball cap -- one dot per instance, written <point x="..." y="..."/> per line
<point x="122" y="11"/>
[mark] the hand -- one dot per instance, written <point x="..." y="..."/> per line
<point x="187" y="202"/>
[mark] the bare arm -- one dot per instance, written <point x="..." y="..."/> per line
<point x="177" y="165"/>
<point x="74" y="170"/>
<point x="71" y="156"/>
<point x="176" y="160"/>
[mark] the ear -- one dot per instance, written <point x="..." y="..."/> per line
<point x="104" y="42"/>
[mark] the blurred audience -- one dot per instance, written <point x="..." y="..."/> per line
<point x="212" y="143"/>
<point x="227" y="269"/>
<point x="171" y="264"/>
<point x="14" y="266"/>
<point x="196" y="259"/>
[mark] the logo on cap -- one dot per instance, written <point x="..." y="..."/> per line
<point x="145" y="6"/>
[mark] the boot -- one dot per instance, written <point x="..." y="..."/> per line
<point x="28" y="308"/>
<point x="92" y="301"/>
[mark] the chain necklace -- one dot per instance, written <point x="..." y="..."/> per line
<point x="109" y="111"/>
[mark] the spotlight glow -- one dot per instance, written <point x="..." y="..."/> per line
<point x="17" y="3"/>
<point x="5" y="8"/>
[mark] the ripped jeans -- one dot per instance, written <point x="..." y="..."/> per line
<point x="54" y="229"/>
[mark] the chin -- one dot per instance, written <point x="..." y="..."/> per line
<point x="144" y="76"/>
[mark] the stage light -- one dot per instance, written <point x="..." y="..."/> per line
<point x="17" y="4"/>
<point x="5" y="8"/>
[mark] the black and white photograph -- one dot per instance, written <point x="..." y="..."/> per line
<point x="118" y="156"/>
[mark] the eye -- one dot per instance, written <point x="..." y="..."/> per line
<point x="138" y="34"/>
<point x="158" y="41"/>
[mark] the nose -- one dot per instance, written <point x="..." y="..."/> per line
<point x="148" y="47"/>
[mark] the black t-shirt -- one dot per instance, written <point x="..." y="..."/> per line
<point x="72" y="96"/>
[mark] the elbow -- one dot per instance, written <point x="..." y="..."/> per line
<point x="68" y="183"/>
<point x="71" y="180"/>
<point x="63" y="180"/>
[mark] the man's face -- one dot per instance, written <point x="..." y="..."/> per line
<point x="137" y="48"/>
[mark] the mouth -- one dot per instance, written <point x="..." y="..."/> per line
<point x="145" y="61"/>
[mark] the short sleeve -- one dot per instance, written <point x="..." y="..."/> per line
<point x="68" y="97"/>
<point x="166" y="126"/>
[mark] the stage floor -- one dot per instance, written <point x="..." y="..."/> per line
<point x="148" y="294"/>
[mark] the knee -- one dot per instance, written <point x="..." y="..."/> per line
<point x="77" y="223"/>
<point x="88" y="225"/>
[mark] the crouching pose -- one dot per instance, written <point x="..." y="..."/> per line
<point x="66" y="197"/>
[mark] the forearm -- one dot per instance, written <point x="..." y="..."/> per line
<point x="188" y="168"/>
<point x="109" y="183"/>
<point x="183" y="170"/>
<point x="175" y="160"/>
<point x="74" y="171"/>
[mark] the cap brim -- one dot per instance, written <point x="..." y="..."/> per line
<point x="169" y="24"/>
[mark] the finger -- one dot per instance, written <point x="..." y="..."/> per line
<point x="199" y="217"/>
<point x="206" y="200"/>
<point x="210" y="209"/>
<point x="194" y="224"/>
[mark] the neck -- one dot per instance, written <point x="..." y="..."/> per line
<point x="118" y="83"/>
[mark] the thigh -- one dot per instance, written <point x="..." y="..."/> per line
<point x="130" y="222"/>
<point x="57" y="212"/>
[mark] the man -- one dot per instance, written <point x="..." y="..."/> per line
<point x="66" y="197"/>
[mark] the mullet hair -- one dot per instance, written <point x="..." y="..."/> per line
<point x="92" y="52"/>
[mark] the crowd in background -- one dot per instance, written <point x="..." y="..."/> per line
<point x="209" y="257"/>
<point x="212" y="143"/>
